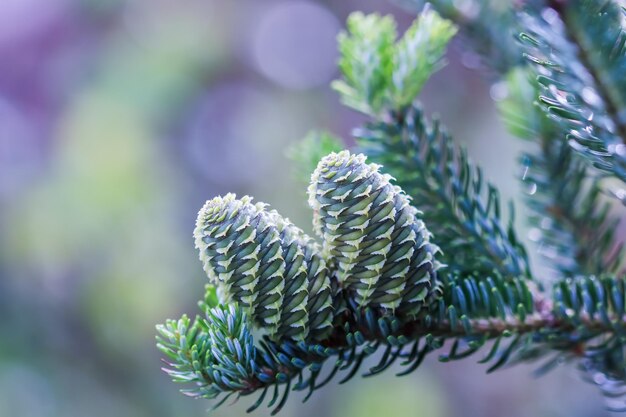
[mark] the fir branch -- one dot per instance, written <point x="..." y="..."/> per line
<point x="216" y="354"/>
<point x="596" y="28"/>
<point x="424" y="161"/>
<point x="576" y="234"/>
<point x="471" y="313"/>
<point x="465" y="219"/>
<point x="570" y="221"/>
<point x="576" y="91"/>
<point x="566" y="204"/>
<point x="588" y="304"/>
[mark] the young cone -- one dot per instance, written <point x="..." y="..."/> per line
<point x="262" y="261"/>
<point x="381" y="247"/>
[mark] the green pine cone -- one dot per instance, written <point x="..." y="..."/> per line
<point x="382" y="249"/>
<point x="242" y="255"/>
<point x="261" y="260"/>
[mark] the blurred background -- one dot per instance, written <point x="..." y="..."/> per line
<point x="118" y="119"/>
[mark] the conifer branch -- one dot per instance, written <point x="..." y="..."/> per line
<point x="572" y="227"/>
<point x="595" y="27"/>
<point x="581" y="320"/>
<point x="581" y="87"/>
<point x="425" y="162"/>
<point x="571" y="223"/>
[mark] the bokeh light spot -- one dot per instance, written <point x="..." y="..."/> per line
<point x="294" y="44"/>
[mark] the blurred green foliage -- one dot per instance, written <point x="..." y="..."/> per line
<point x="419" y="398"/>
<point x="307" y="153"/>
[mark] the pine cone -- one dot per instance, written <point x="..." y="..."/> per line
<point x="242" y="255"/>
<point x="382" y="249"/>
<point x="262" y="261"/>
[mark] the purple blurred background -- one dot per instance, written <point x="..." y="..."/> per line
<point x="118" y="118"/>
